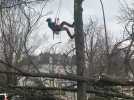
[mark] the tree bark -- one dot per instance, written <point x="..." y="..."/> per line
<point x="80" y="48"/>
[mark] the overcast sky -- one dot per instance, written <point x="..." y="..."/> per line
<point x="91" y="9"/>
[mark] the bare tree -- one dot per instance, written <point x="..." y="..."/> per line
<point x="16" y="26"/>
<point x="126" y="17"/>
<point x="95" y="47"/>
<point x="80" y="48"/>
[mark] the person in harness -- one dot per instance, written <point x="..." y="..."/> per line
<point x="56" y="28"/>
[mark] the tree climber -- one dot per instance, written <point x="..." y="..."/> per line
<point x="56" y="28"/>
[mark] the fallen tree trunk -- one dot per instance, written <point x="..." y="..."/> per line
<point x="97" y="92"/>
<point x="107" y="81"/>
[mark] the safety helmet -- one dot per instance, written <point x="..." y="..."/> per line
<point x="48" y="19"/>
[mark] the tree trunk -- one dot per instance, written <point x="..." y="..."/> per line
<point x="79" y="45"/>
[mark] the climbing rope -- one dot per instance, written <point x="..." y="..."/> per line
<point x="57" y="16"/>
<point x="58" y="12"/>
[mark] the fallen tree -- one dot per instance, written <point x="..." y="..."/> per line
<point x="97" y="92"/>
<point x="103" y="80"/>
